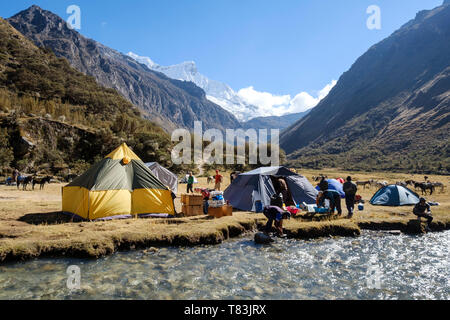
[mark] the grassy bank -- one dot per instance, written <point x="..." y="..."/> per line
<point x="31" y="224"/>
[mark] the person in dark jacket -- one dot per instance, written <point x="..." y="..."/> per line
<point x="334" y="198"/>
<point x="423" y="210"/>
<point x="350" y="190"/>
<point x="274" y="213"/>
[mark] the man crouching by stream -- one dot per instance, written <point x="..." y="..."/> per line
<point x="423" y="210"/>
<point x="274" y="213"/>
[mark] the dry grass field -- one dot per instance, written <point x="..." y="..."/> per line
<point x="31" y="224"/>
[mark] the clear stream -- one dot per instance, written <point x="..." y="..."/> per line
<point x="372" y="266"/>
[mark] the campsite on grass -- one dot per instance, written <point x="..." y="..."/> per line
<point x="120" y="203"/>
<point x="195" y="150"/>
<point x="33" y="225"/>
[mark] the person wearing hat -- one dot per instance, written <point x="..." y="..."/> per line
<point x="350" y="190"/>
<point x="423" y="210"/>
<point x="274" y="213"/>
<point x="218" y="180"/>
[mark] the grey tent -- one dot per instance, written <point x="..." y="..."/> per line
<point x="394" y="195"/>
<point x="259" y="185"/>
<point x="167" y="177"/>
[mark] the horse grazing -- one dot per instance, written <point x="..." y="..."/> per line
<point x="24" y="181"/>
<point x="424" y="186"/>
<point x="41" y="182"/>
<point x="438" y="184"/>
<point x="364" y="183"/>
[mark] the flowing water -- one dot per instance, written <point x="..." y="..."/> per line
<point x="372" y="266"/>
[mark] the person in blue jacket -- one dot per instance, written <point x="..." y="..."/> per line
<point x="335" y="200"/>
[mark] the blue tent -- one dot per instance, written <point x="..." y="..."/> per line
<point x="333" y="184"/>
<point x="394" y="195"/>
<point x="256" y="185"/>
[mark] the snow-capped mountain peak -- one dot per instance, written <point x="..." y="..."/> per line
<point x="217" y="92"/>
<point x="144" y="60"/>
<point x="245" y="104"/>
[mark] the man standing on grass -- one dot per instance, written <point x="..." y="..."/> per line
<point x="350" y="190"/>
<point x="190" y="183"/>
<point x="218" y="180"/>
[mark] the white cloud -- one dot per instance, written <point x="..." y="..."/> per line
<point x="276" y="105"/>
<point x="265" y="101"/>
<point x="325" y="91"/>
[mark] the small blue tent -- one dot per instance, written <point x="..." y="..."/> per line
<point x="394" y="195"/>
<point x="333" y="184"/>
<point x="257" y="185"/>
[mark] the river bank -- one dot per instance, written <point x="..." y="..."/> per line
<point x="374" y="266"/>
<point x="32" y="226"/>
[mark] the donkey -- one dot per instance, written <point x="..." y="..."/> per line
<point x="424" y="186"/>
<point x="364" y="183"/>
<point x="41" y="182"/>
<point x="438" y="184"/>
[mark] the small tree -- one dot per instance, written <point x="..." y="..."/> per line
<point x="6" y="152"/>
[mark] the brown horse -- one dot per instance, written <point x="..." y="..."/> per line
<point x="24" y="181"/>
<point x="41" y="182"/>
<point x="364" y="183"/>
<point x="438" y="184"/>
<point x="424" y="186"/>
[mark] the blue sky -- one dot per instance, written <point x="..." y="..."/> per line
<point x="282" y="47"/>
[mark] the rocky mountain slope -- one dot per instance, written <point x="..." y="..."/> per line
<point x="274" y="122"/>
<point x="169" y="102"/>
<point x="391" y="110"/>
<point x="53" y="117"/>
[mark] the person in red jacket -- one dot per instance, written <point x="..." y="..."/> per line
<point x="218" y="180"/>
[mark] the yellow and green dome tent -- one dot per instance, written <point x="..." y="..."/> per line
<point x="119" y="185"/>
